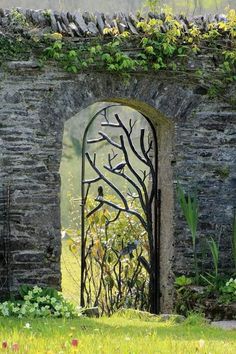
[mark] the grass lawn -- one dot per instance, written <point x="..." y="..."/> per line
<point x="114" y="335"/>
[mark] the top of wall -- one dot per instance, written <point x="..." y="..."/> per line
<point x="86" y="24"/>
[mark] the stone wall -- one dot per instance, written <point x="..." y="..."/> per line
<point x="197" y="139"/>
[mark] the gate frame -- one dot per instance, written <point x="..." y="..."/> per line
<point x="156" y="213"/>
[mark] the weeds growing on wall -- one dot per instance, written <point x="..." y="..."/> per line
<point x="162" y="44"/>
<point x="156" y="50"/>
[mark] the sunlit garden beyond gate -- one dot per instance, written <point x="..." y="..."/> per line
<point x="113" y="217"/>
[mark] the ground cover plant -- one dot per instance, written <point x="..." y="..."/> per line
<point x="38" y="302"/>
<point x="124" y="334"/>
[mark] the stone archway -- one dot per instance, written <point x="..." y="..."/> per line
<point x="165" y="131"/>
<point x="36" y="105"/>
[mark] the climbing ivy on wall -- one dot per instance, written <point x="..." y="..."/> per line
<point x="163" y="44"/>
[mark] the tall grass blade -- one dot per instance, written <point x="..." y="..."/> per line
<point x="214" y="247"/>
<point x="189" y="206"/>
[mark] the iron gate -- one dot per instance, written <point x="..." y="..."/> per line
<point x="4" y="240"/>
<point x="120" y="219"/>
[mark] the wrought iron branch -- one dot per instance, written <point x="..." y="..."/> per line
<point x="90" y="181"/>
<point x="145" y="152"/>
<point x="145" y="174"/>
<point x="109" y="124"/>
<point x="133" y="170"/>
<point x="128" y="134"/>
<point x="150" y="164"/>
<point x="108" y="222"/>
<point x="109" y="140"/>
<point x="94" y="210"/>
<point x="101" y="175"/>
<point x="111" y="158"/>
<point x="126" y="210"/>
<point x="104" y="113"/>
<point x="122" y="174"/>
<point x="131" y="195"/>
<point x="149" y="147"/>
<point x="94" y="141"/>
<point x="131" y="126"/>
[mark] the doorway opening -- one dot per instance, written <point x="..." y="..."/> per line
<point x="110" y="207"/>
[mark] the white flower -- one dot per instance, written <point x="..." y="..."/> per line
<point x="201" y="343"/>
<point x="27" y="325"/>
<point x="37" y="289"/>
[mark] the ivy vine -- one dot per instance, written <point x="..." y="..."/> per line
<point x="153" y="50"/>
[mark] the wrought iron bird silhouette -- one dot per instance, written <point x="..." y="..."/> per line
<point x="129" y="248"/>
<point x="100" y="193"/>
<point x="119" y="167"/>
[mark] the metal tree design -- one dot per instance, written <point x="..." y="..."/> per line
<point x="144" y="183"/>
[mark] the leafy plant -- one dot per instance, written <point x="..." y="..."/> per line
<point x="183" y="281"/>
<point x="228" y="292"/>
<point x="38" y="302"/>
<point x="189" y="206"/>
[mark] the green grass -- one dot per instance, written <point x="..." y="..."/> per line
<point x="115" y="335"/>
<point x="70" y="269"/>
<point x="127" y="332"/>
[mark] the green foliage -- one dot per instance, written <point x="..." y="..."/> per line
<point x="38" y="302"/>
<point x="228" y="292"/>
<point x="214" y="89"/>
<point x="13" y="49"/>
<point x="214" y="247"/>
<point x="187" y="300"/>
<point x="195" y="319"/>
<point x="183" y="281"/>
<point x="18" y="18"/>
<point x="54" y="51"/>
<point x="223" y="172"/>
<point x="189" y="206"/>
<point x="155" y="49"/>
